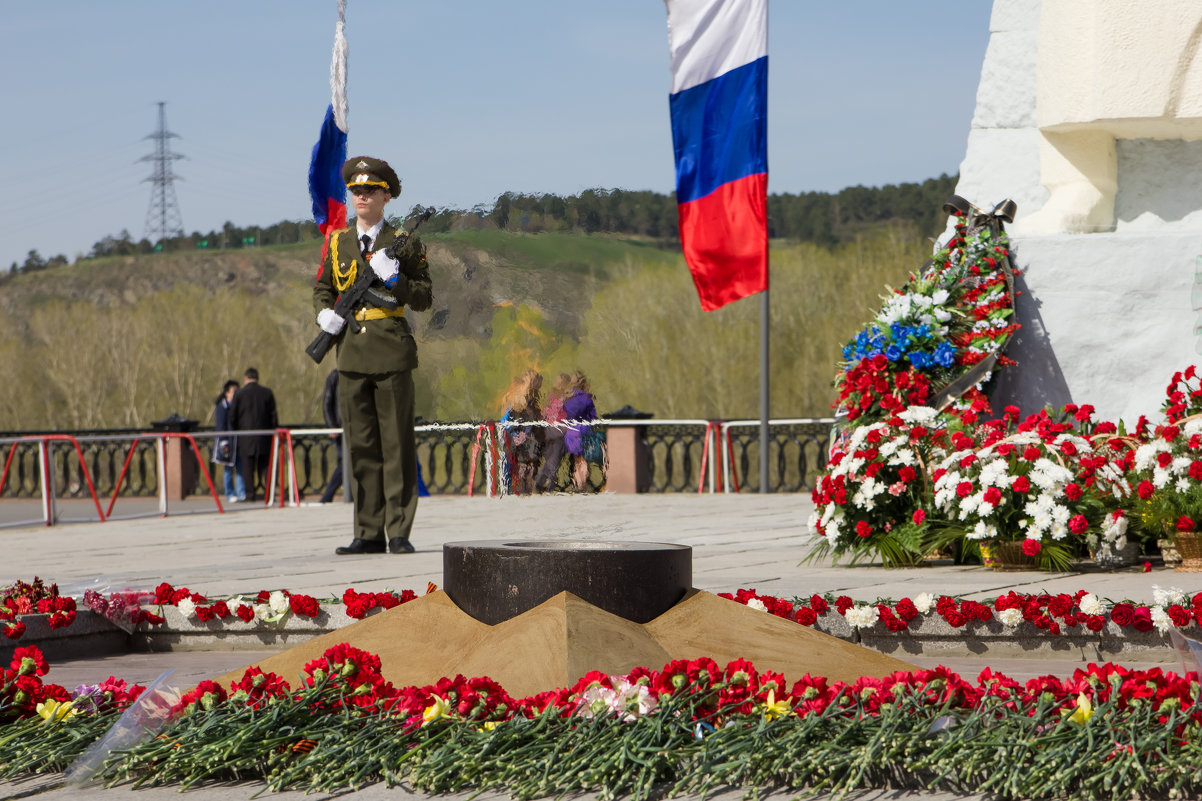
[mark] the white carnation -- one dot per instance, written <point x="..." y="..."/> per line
<point x="756" y="603"/>
<point x="186" y="607"/>
<point x="1161" y="620"/>
<point x="1092" y="605"/>
<point x="278" y="602"/>
<point x="919" y="415"/>
<point x="924" y="602"/>
<point x="1165" y="597"/>
<point x="862" y="617"/>
<point x="1011" y="617"/>
<point x="981" y="531"/>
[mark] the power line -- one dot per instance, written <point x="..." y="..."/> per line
<point x="163" y="219"/>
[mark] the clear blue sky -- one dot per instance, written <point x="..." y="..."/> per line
<point x="466" y="98"/>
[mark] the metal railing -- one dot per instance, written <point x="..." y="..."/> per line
<point x="688" y="455"/>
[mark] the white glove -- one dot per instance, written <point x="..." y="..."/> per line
<point x="385" y="267"/>
<point x="330" y="322"/>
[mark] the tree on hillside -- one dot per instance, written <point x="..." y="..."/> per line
<point x="33" y="262"/>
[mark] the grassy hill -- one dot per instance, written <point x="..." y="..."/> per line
<point x="122" y="341"/>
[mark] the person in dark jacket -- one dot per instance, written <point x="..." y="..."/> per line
<point x="253" y="409"/>
<point x="224" y="452"/>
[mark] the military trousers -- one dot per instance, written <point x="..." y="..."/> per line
<point x="377" y="420"/>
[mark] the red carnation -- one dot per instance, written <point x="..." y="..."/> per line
<point x="863" y="529"/>
<point x="1021" y="484"/>
<point x="843" y="603"/>
<point x="304" y="605"/>
<point x="964" y="489"/>
<point x="1179" y="615"/>
<point x="1031" y="547"/>
<point x="1078" y="524"/>
<point x="1073" y="491"/>
<point x="1185" y="524"/>
<point x="993" y="495"/>
<point x="806" y="616"/>
<point x="918" y="517"/>
<point x="1145" y="490"/>
<point x="245" y="613"/>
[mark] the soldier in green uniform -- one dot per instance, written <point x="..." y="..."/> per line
<point x="376" y="364"/>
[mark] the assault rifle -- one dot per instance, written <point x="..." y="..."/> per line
<point x="362" y="293"/>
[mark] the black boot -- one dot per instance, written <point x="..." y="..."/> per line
<point x="360" y="546"/>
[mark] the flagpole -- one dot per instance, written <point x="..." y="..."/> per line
<point x="764" y="404"/>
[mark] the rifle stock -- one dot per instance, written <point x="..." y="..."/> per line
<point x="320" y="346"/>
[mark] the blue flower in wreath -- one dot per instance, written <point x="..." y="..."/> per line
<point x="893" y="353"/>
<point x="945" y="354"/>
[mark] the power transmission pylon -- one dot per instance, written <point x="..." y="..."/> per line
<point x="163" y="219"/>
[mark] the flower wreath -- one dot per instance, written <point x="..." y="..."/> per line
<point x="940" y="337"/>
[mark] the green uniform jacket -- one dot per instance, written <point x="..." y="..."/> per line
<point x="385" y="345"/>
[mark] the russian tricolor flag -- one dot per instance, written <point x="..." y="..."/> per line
<point x="326" y="187"/>
<point x="719" y="105"/>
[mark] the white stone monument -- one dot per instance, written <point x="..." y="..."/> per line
<point x="1089" y="116"/>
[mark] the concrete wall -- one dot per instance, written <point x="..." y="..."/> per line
<point x="1089" y="116"/>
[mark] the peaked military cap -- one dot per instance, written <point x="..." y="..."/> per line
<point x="366" y="171"/>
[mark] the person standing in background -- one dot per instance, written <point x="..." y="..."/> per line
<point x="578" y="405"/>
<point x="253" y="409"/>
<point x="553" y="446"/>
<point x="525" y="442"/>
<point x="224" y="451"/>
